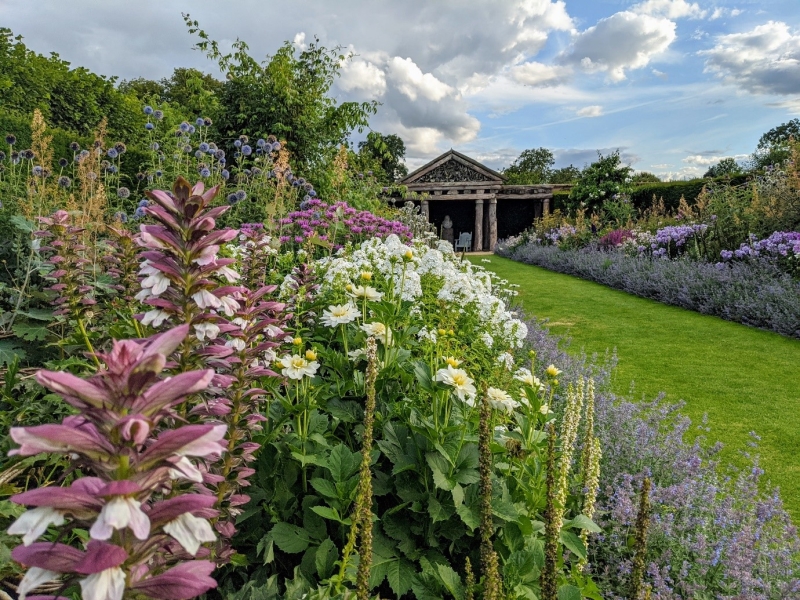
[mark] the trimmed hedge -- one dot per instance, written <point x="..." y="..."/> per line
<point x="20" y="126"/>
<point x="671" y="191"/>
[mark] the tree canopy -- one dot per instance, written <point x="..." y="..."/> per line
<point x="531" y="167"/>
<point x="388" y="151"/>
<point x="600" y="181"/>
<point x="727" y="167"/>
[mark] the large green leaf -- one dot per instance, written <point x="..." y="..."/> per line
<point x="440" y="468"/>
<point x="573" y="543"/>
<point x="30" y="332"/>
<point x="325" y="559"/>
<point x="583" y="522"/>
<point x="451" y="581"/>
<point x="343" y="463"/>
<point x="400" y="575"/>
<point x="9" y="351"/>
<point x="569" y="592"/>
<point x="290" y="538"/>
<point x="325" y="487"/>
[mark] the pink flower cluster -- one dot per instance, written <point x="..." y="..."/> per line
<point x="337" y="223"/>
<point x="144" y="529"/>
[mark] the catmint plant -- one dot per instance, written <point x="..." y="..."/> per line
<point x="144" y="531"/>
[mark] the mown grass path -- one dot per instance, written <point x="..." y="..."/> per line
<point x="744" y="379"/>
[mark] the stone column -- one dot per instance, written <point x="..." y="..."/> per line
<point x="477" y="237"/>
<point x="492" y="224"/>
<point x="425" y="210"/>
<point x="545" y="206"/>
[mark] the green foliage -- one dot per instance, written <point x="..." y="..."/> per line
<point x="600" y="181"/>
<point x="388" y="152"/>
<point x="774" y="146"/>
<point x="673" y="191"/>
<point x="569" y="174"/>
<point x="531" y="167"/>
<point x="287" y="95"/>
<point x="727" y="167"/>
<point x="644" y="177"/>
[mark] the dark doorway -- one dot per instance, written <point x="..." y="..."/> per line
<point x="462" y="213"/>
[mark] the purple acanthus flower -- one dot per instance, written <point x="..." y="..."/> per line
<point x="122" y="438"/>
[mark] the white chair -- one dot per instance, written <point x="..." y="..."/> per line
<point x="464" y="242"/>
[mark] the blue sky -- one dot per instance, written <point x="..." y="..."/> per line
<point x="675" y="85"/>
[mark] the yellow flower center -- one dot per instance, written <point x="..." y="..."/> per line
<point x="339" y="311"/>
<point x="452" y="361"/>
<point x="366" y="275"/>
<point x="442" y="332"/>
<point x="297" y="341"/>
<point x="311" y="355"/>
<point x="349" y="287"/>
<point x="298" y="362"/>
<point x="459" y="379"/>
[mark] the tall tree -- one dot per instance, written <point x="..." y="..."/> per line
<point x="287" y="95"/>
<point x="531" y="167"/>
<point x="569" y="174"/>
<point x="388" y="152"/>
<point x="600" y="181"/>
<point x="774" y="146"/>
<point x="727" y="167"/>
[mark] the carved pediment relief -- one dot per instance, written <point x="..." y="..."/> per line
<point x="452" y="171"/>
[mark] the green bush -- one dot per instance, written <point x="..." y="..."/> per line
<point x="672" y="191"/>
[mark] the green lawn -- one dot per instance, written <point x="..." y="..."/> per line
<point x="744" y="379"/>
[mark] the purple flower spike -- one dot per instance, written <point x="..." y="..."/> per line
<point x="185" y="581"/>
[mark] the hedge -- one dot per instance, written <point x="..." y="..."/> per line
<point x="672" y="191"/>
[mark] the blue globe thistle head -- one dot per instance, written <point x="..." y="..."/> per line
<point x="272" y="139"/>
<point x="191" y="129"/>
<point x="138" y="213"/>
<point x="2" y="156"/>
<point x="361" y="176"/>
<point x="120" y="147"/>
<point x="62" y="162"/>
<point x="37" y="170"/>
<point x="97" y="144"/>
<point x="307" y="185"/>
<point x="198" y="154"/>
<point x="222" y="161"/>
<point x="241" y="194"/>
<point x="177" y="133"/>
<point x="158" y="114"/>
<point x="237" y="143"/>
<point x="301" y="180"/>
<point x="199" y="121"/>
<point x="244" y="139"/>
<point x="184" y="127"/>
<point x="143" y="203"/>
<point x="203" y="147"/>
<point x="232" y="199"/>
<point x="15" y="158"/>
<point x="237" y="155"/>
<point x="64" y="181"/>
<point x="140" y="176"/>
<point x="154" y="146"/>
<point x="11" y="139"/>
<point x="276" y="146"/>
<point x="112" y="153"/>
<point x="30" y="154"/>
<point x="91" y="175"/>
<point x="261" y="142"/>
<point x="219" y="154"/>
<point x="120" y="216"/>
<point x="312" y="193"/>
<point x="247" y="173"/>
<point x="255" y="171"/>
<point x="369" y="173"/>
<point x="205" y="173"/>
<point x="148" y="110"/>
<point x="149" y="126"/>
<point x="75" y="146"/>
<point x="187" y="148"/>
<point x="259" y="151"/>
<point x="104" y="164"/>
<point x="112" y="169"/>
<point x="295" y="183"/>
<point x="159" y="173"/>
<point x="247" y="150"/>
<point x="212" y="147"/>
<point x="306" y="198"/>
<point x="207" y="122"/>
<point x="271" y="174"/>
<point x="225" y="174"/>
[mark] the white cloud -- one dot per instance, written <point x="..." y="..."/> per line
<point x="590" y="111"/>
<point x="623" y="41"/>
<point x="721" y="12"/>
<point x="702" y="160"/>
<point x="539" y="74"/>
<point x="412" y="82"/>
<point x="363" y="76"/>
<point x="764" y="60"/>
<point x="660" y="74"/>
<point x="300" y="40"/>
<point x="671" y="9"/>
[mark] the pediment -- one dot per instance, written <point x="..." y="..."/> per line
<point x="453" y="167"/>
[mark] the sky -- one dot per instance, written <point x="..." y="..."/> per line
<point x="674" y="85"/>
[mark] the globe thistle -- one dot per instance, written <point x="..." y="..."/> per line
<point x="191" y="129"/>
<point x="225" y="174"/>
<point x="158" y="114"/>
<point x="121" y="217"/>
<point x="2" y="156"/>
<point x="83" y="154"/>
<point x="64" y="181"/>
<point x="261" y="142"/>
<point x="123" y="192"/>
<point x="219" y="154"/>
<point x="369" y="173"/>
<point x="308" y="187"/>
<point x="111" y="169"/>
<point x="148" y="110"/>
<point x="312" y="192"/>
<point x="184" y="127"/>
<point x="11" y="139"/>
<point x="247" y="150"/>
<point x="237" y="143"/>
<point x="159" y="173"/>
<point x="203" y="147"/>
<point x="62" y="162"/>
<point x="149" y="126"/>
<point x="75" y="146"/>
<point x="256" y="171"/>
<point x="272" y="139"/>
<point x="120" y="147"/>
<point x="247" y="173"/>
<point x="138" y="213"/>
<point x="37" y="170"/>
<point x="143" y="203"/>
<point x="112" y="153"/>
<point x="276" y="146"/>
<point x="91" y="175"/>
<point x="15" y="158"/>
<point x="187" y="148"/>
<point x="140" y="176"/>
<point x="361" y="176"/>
<point x="222" y="161"/>
<point x="241" y="195"/>
<point x="97" y="144"/>
<point x="205" y="173"/>
<point x="207" y="122"/>
<point x="198" y="154"/>
<point x="244" y="139"/>
<point x="237" y="155"/>
<point x="199" y="121"/>
<point x="232" y="199"/>
<point x="29" y="154"/>
<point x="295" y="183"/>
